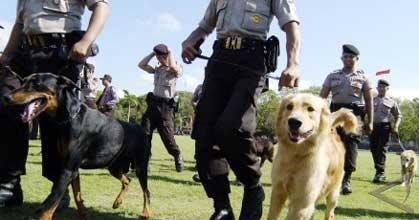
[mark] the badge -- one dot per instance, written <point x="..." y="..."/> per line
<point x="256" y="19"/>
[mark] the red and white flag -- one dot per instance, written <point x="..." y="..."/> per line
<point x="382" y="72"/>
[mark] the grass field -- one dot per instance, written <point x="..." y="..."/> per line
<point x="176" y="196"/>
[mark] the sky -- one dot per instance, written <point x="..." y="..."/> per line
<point x="386" y="33"/>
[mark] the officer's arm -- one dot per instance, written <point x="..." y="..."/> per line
<point x="368" y="97"/>
<point x="188" y="46"/>
<point x="324" y="93"/>
<point x="100" y="12"/>
<point x="397" y="115"/>
<point x="144" y="63"/>
<point x="173" y="66"/>
<point x="293" y="43"/>
<point x="12" y="44"/>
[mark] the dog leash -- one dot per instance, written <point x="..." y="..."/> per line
<point x="396" y="136"/>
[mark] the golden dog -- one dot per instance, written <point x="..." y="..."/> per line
<point x="409" y="167"/>
<point x="310" y="158"/>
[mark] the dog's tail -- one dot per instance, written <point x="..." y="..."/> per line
<point x="346" y="119"/>
<point x="346" y="125"/>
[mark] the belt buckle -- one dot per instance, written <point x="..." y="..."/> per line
<point x="233" y="43"/>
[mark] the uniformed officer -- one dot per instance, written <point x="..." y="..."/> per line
<point x="385" y="110"/>
<point x="225" y="118"/>
<point x="161" y="102"/>
<point x="46" y="37"/>
<point x="351" y="89"/>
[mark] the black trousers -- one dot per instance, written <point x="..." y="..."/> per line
<point x="350" y="143"/>
<point x="378" y="145"/>
<point x="159" y="114"/>
<point x="225" y="119"/>
<point x="15" y="147"/>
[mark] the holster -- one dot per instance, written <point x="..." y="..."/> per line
<point x="272" y="54"/>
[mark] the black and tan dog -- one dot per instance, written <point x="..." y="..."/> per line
<point x="87" y="139"/>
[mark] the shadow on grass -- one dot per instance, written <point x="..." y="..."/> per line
<point x="374" y="214"/>
<point x="27" y="212"/>
<point x="171" y="180"/>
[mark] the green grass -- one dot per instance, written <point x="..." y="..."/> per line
<point x="176" y="196"/>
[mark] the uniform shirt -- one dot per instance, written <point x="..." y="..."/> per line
<point x="108" y="97"/>
<point x="165" y="82"/>
<point x="347" y="88"/>
<point x="385" y="108"/>
<point x="246" y="18"/>
<point x="196" y="96"/>
<point x="52" y="16"/>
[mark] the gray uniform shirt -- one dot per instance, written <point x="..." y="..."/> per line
<point x="385" y="108"/>
<point x="347" y="88"/>
<point x="246" y="18"/>
<point x="51" y="16"/>
<point x="165" y="82"/>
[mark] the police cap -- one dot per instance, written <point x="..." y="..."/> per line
<point x="383" y="82"/>
<point x="351" y="49"/>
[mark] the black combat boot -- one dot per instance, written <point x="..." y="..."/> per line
<point x="11" y="193"/>
<point x="379" y="178"/>
<point x="346" y="184"/>
<point x="223" y="210"/>
<point x="252" y="203"/>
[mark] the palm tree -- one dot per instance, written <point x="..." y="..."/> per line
<point x="130" y="100"/>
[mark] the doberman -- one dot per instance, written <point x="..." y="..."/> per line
<point x="87" y="139"/>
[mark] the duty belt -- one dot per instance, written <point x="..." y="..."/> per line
<point x="237" y="43"/>
<point x="42" y="40"/>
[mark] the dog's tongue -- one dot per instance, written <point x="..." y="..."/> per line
<point x="294" y="136"/>
<point x="29" y="111"/>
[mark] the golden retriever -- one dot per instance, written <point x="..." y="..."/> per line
<point x="409" y="167"/>
<point x="310" y="158"/>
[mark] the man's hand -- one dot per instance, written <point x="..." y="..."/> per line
<point x="290" y="77"/>
<point x="188" y="51"/>
<point x="80" y="50"/>
<point x="368" y="128"/>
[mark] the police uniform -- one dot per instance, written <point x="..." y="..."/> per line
<point x="50" y="29"/>
<point x="385" y="109"/>
<point x="160" y="112"/>
<point x="225" y="119"/>
<point x="347" y="91"/>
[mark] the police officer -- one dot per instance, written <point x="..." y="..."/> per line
<point x="225" y="119"/>
<point x="385" y="109"/>
<point x="46" y="37"/>
<point x="160" y="103"/>
<point x="350" y="87"/>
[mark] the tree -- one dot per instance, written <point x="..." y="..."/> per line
<point x="267" y="109"/>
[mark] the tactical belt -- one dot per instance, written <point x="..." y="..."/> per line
<point x="237" y="43"/>
<point x="357" y="109"/>
<point x="42" y="40"/>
